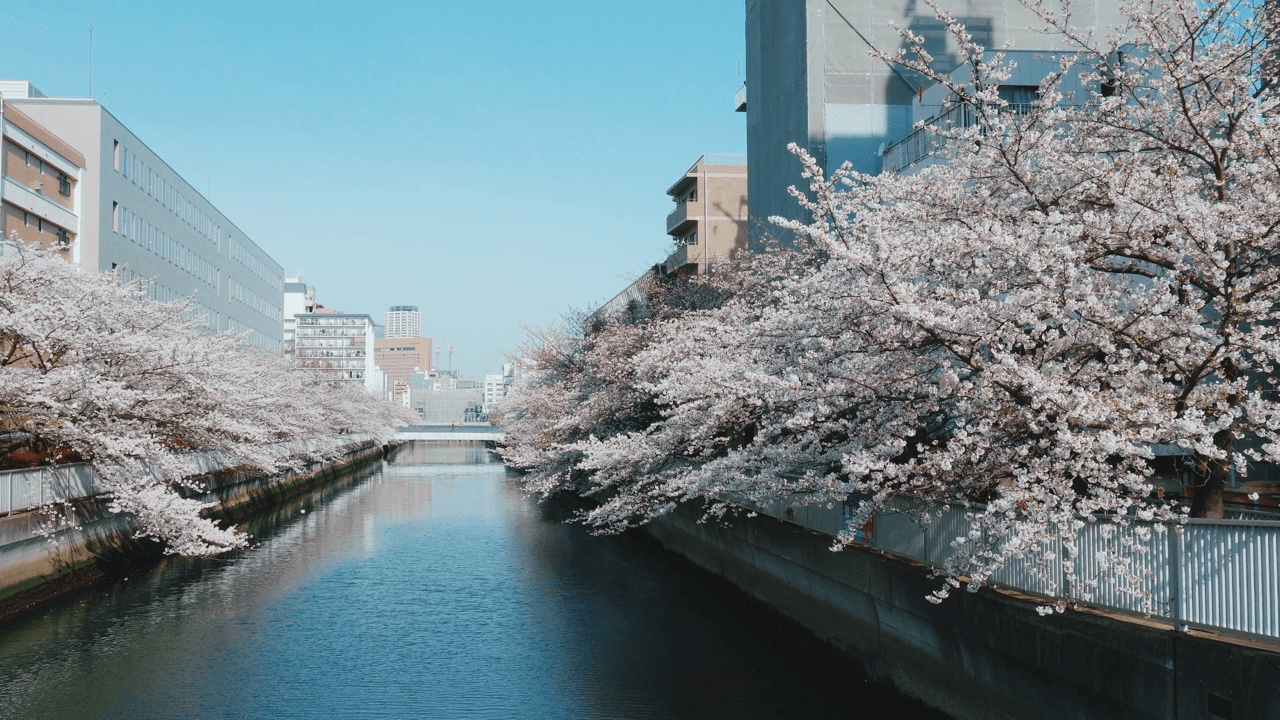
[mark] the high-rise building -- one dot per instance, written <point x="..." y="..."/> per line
<point x="139" y="216"/>
<point x="811" y="79"/>
<point x="404" y="321"/>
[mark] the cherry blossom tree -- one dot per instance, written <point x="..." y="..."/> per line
<point x="94" y="370"/>
<point x="1012" y="331"/>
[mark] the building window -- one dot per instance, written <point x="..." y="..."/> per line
<point x="115" y="155"/>
<point x="64" y="184"/>
<point x="64" y="240"/>
<point x="693" y="194"/>
<point x="39" y="224"/>
<point x="115" y="216"/>
<point x="26" y="157"/>
<point x="41" y="166"/>
<point x="691" y="239"/>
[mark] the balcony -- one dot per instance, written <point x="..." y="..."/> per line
<point x="682" y="258"/>
<point x="740" y="99"/>
<point x="679" y="218"/>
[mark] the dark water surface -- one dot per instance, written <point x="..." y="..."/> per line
<point x="430" y="588"/>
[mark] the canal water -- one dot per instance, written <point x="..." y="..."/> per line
<point x="427" y="588"/>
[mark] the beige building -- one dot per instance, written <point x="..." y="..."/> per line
<point x="708" y="224"/>
<point x="400" y="358"/>
<point x="39" y="185"/>
<point x="709" y="221"/>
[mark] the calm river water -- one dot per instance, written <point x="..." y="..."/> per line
<point x="428" y="588"/>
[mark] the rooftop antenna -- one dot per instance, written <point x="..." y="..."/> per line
<point x="91" y="62"/>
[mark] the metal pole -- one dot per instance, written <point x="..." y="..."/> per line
<point x="706" y="218"/>
<point x="2" y="171"/>
<point x="1175" y="576"/>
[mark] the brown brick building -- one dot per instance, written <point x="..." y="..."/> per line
<point x="39" y="185"/>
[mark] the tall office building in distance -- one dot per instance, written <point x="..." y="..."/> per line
<point x="404" y="321"/>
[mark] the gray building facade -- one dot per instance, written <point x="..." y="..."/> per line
<point x="811" y="80"/>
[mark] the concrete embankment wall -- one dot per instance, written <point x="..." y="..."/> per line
<point x="978" y="655"/>
<point x="36" y="565"/>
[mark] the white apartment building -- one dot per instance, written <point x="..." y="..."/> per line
<point x="404" y="321"/>
<point x="138" y="215"/>
<point x="342" y="344"/>
<point x="494" y="388"/>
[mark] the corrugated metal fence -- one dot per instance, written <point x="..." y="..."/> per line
<point x="1214" y="574"/>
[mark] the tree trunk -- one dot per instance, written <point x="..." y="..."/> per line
<point x="1208" y="500"/>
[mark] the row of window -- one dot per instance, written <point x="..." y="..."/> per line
<point x="150" y="238"/>
<point x="244" y="254"/>
<point x="325" y="320"/>
<point x="332" y="364"/>
<point x="64" y="180"/>
<point x="131" y="167"/>
<point x="310" y="352"/>
<point x="310" y="332"/>
<point x="254" y="336"/>
<point x="42" y="225"/>
<point x="331" y="342"/>
<point x="162" y="293"/>
<point x="251" y="299"/>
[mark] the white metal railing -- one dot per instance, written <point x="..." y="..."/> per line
<point x="1214" y="574"/>
<point x="927" y="140"/>
<point x="22" y="490"/>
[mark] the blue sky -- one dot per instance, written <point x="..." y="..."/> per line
<point x="494" y="163"/>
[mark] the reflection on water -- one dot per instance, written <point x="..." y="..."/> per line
<point x="428" y="588"/>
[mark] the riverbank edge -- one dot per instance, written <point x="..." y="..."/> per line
<point x="35" y="569"/>
<point x="980" y="656"/>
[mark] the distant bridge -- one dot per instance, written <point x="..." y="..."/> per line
<point x="459" y="432"/>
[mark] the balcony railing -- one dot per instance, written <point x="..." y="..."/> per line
<point x="681" y="256"/>
<point x="927" y="140"/>
<point x="679" y="217"/>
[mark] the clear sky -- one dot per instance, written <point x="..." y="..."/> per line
<point x="494" y="163"/>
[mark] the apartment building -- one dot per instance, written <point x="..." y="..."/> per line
<point x="812" y="81"/>
<point x="139" y="216"/>
<point x="497" y="384"/>
<point x="339" y="343"/>
<point x="39" y="185"/>
<point x="709" y="221"/>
